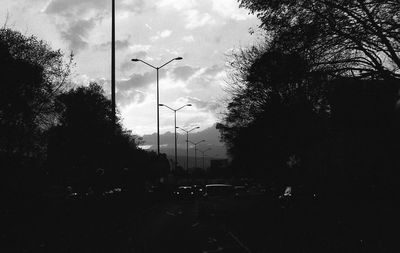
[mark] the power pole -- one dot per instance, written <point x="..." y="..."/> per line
<point x="113" y="62"/>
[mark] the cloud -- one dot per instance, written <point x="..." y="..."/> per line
<point x="213" y="70"/>
<point x="119" y="45"/>
<point x="125" y="93"/>
<point x="189" y="38"/>
<point x="195" y="19"/>
<point x="162" y="34"/>
<point x="130" y="97"/>
<point x="207" y="106"/>
<point x="76" y="33"/>
<point x="229" y="9"/>
<point x="128" y="64"/>
<point x="165" y="33"/>
<point x="77" y="18"/>
<point x="66" y="7"/>
<point x="139" y="81"/>
<point x="206" y="77"/>
<point x="183" y="73"/>
<point x="177" y="4"/>
<point x="139" y="47"/>
<point x="132" y="90"/>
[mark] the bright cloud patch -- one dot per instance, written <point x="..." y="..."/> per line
<point x="139" y="47"/>
<point x="177" y="4"/>
<point x="188" y="38"/>
<point x="195" y="19"/>
<point x="162" y="34"/>
<point x="229" y="9"/>
<point x="207" y="106"/>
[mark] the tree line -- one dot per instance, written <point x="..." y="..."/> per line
<point x="56" y="134"/>
<point x="316" y="102"/>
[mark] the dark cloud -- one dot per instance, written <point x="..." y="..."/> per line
<point x="76" y="33"/>
<point x="124" y="95"/>
<point x="76" y="24"/>
<point x="207" y="78"/>
<point x="128" y="64"/>
<point x="131" y="90"/>
<point x="67" y="7"/>
<point x="124" y="98"/>
<point x="184" y="73"/>
<point x="213" y="70"/>
<point x="139" y="81"/>
<point x="209" y="106"/>
<point x="119" y="45"/>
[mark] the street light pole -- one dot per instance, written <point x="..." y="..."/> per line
<point x="195" y="151"/>
<point x="187" y="144"/>
<point x="158" y="114"/>
<point x="204" y="151"/>
<point x="113" y="63"/>
<point x="158" y="92"/>
<point x="175" y="110"/>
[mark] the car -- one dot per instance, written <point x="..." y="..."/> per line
<point x="184" y="193"/>
<point x="198" y="190"/>
<point x="217" y="201"/>
<point x="241" y="191"/>
<point x="298" y="196"/>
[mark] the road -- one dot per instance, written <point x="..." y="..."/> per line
<point x="255" y="225"/>
<point x="176" y="227"/>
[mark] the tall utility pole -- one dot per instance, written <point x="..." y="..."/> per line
<point x="158" y="95"/>
<point x="113" y="62"/>
<point x="187" y="144"/>
<point x="175" y="110"/>
<point x="203" y="152"/>
<point x="195" y="151"/>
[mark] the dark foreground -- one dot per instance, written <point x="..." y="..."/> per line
<point x="257" y="223"/>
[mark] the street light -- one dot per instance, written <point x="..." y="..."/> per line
<point x="175" y="110"/>
<point x="158" y="100"/>
<point x="203" y="152"/>
<point x="195" y="151"/>
<point x="187" y="144"/>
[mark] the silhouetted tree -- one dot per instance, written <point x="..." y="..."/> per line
<point x="345" y="37"/>
<point x="32" y="76"/>
<point x="278" y="108"/>
<point x="86" y="141"/>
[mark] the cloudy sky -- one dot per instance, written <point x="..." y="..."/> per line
<point x="200" y="31"/>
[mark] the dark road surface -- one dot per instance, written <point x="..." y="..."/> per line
<point x="175" y="227"/>
<point x="255" y="224"/>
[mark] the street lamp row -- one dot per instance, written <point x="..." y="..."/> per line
<point x="203" y="152"/>
<point x="187" y="143"/>
<point x="158" y="92"/>
<point x="175" y="110"/>
<point x="195" y="151"/>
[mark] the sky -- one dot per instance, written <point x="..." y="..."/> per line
<point x="203" y="32"/>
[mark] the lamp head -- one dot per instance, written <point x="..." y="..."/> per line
<point x="178" y="58"/>
<point x="134" y="59"/>
<point x="189" y="105"/>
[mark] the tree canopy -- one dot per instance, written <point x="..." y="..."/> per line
<point x="306" y="91"/>
<point x="32" y="76"/>
<point x="356" y="37"/>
